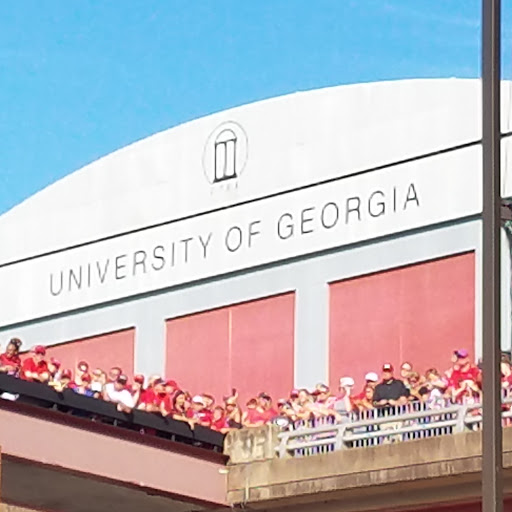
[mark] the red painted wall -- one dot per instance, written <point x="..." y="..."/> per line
<point x="103" y="351"/>
<point x="248" y="346"/>
<point x="419" y="313"/>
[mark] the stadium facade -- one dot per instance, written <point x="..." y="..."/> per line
<point x="275" y="245"/>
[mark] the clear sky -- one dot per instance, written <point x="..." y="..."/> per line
<point x="81" y="79"/>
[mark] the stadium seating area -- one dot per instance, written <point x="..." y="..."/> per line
<point x="460" y="384"/>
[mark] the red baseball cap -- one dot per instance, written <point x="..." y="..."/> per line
<point x="66" y="374"/>
<point x="388" y="367"/>
<point x="86" y="377"/>
<point x="139" y="379"/>
<point x="55" y="362"/>
<point x="171" y="383"/>
<point x="39" y="349"/>
<point x="82" y="364"/>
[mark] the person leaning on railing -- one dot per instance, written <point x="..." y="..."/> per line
<point x="10" y="361"/>
<point x="117" y="393"/>
<point x="391" y="391"/>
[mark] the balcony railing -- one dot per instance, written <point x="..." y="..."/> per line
<point x="382" y="426"/>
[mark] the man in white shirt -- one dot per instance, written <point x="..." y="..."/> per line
<point x="118" y="393"/>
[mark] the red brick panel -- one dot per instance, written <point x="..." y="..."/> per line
<point x="103" y="351"/>
<point x="419" y="313"/>
<point x="246" y="346"/>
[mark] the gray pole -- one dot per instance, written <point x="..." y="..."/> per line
<point x="492" y="464"/>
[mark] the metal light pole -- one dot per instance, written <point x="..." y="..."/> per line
<point x="492" y="464"/>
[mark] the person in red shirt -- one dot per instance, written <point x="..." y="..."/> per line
<point x="252" y="417"/>
<point x="462" y="370"/>
<point x="35" y="368"/>
<point x="371" y="380"/>
<point x="198" y="412"/>
<point x="170" y="388"/>
<point x="181" y="408"/>
<point x="265" y="407"/>
<point x="53" y="368"/>
<point x="147" y="396"/>
<point x="10" y="361"/>
<point x="137" y="388"/>
<point x="219" y="421"/>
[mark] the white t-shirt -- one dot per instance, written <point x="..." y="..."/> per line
<point x="123" y="397"/>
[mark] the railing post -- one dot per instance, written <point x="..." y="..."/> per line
<point x="282" y="449"/>
<point x="340" y="435"/>
<point x="462" y="412"/>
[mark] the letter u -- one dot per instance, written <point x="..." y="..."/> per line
<point x="52" y="291"/>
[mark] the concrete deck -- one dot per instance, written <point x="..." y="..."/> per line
<point x="407" y="475"/>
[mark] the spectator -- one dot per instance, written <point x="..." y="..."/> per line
<point x="84" y="388"/>
<point x="265" y="407"/>
<point x="233" y="411"/>
<point x="98" y="381"/>
<point x="506" y="375"/>
<point x="366" y="403"/>
<point x="198" y="412"/>
<point x="390" y="391"/>
<point x="252" y="417"/>
<point x="467" y="393"/>
<point x="180" y="408"/>
<point x="371" y="380"/>
<point x="113" y="374"/>
<point x="302" y="404"/>
<point x="432" y="391"/>
<point x="405" y="374"/>
<point x="219" y="422"/>
<point x="117" y="393"/>
<point x="147" y="396"/>
<point x="170" y="387"/>
<point x="82" y="368"/>
<point x="285" y="414"/>
<point x="322" y="405"/>
<point x="462" y="370"/>
<point x="342" y="403"/>
<point x="10" y="361"/>
<point x="209" y="401"/>
<point x="63" y="382"/>
<point x="167" y="402"/>
<point x="53" y="368"/>
<point x="35" y="368"/>
<point x="137" y="388"/>
<point x="414" y="385"/>
<point x="158" y="397"/>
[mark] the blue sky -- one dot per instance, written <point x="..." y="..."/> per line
<point x="79" y="80"/>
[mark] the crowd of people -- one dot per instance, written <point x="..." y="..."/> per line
<point x="461" y="384"/>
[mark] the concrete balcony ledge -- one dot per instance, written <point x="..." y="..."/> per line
<point x="443" y="469"/>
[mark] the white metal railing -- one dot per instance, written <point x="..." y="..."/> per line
<point x="382" y="426"/>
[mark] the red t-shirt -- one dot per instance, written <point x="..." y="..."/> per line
<point x="256" y="416"/>
<point x="14" y="361"/>
<point x="219" y="424"/>
<point x="270" y="414"/>
<point x="29" y="365"/>
<point x="204" y="416"/>
<point x="460" y="375"/>
<point x="167" y="404"/>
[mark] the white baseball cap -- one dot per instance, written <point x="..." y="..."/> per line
<point x="371" y="377"/>
<point x="346" y="382"/>
<point x="198" y="399"/>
